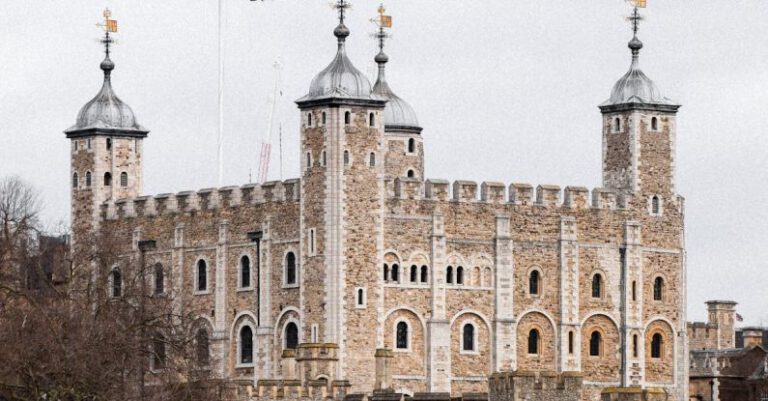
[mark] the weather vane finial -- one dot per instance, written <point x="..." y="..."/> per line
<point x="383" y="21"/>
<point x="109" y="25"/>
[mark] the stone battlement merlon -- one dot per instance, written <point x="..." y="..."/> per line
<point x="520" y="194"/>
<point x="203" y="199"/>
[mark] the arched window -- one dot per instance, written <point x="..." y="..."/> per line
<point x="533" y="342"/>
<point x="360" y="297"/>
<point x="371" y="120"/>
<point x="655" y="205"/>
<point x="159" y="279"/>
<point x="594" y="344"/>
<point x="396" y="273"/>
<point x="533" y="283"/>
<point x="656" y="344"/>
<point x="654" y="123"/>
<point x="449" y="275"/>
<point x="309" y="119"/>
<point x="290" y="268"/>
<point x="570" y="342"/>
<point x="597" y="286"/>
<point x="323" y="118"/>
<point x="109" y="143"/>
<point x="117" y="284"/>
<point x="424" y="274"/>
<point x="245" y="271"/>
<point x="402" y="335"/>
<point x="158" y="351"/>
<point x="246" y="345"/>
<point x="123" y="179"/>
<point x="658" y="288"/>
<point x="347" y="118"/>
<point x="634" y="345"/>
<point x="372" y="159"/>
<point x="411" y="174"/>
<point x="87" y="179"/>
<point x="346" y="157"/>
<point x="617" y="124"/>
<point x="74" y="180"/>
<point x="468" y="338"/>
<point x="634" y="290"/>
<point x="386" y="272"/>
<point x="414" y="273"/>
<point x="459" y="275"/>
<point x="291" y="336"/>
<point x="309" y="160"/>
<point x="107" y="179"/>
<point x="202" y="275"/>
<point x="411" y="145"/>
<point x="202" y="348"/>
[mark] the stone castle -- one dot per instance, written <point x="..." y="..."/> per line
<point x="361" y="274"/>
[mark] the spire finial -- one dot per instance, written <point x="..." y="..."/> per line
<point x="635" y="44"/>
<point x="109" y="26"/>
<point x="341" y="32"/>
<point x="383" y="22"/>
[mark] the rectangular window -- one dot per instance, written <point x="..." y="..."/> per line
<point x="88" y="142"/>
<point x="311" y="244"/>
<point x="313" y="334"/>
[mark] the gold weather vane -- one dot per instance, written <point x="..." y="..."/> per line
<point x="383" y="21"/>
<point x="109" y="26"/>
<point x="635" y="17"/>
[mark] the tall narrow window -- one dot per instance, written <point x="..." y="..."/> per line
<point x="117" y="284"/>
<point x="309" y="119"/>
<point x="245" y="272"/>
<point x="74" y="180"/>
<point x="533" y="283"/>
<point x="654" y="123"/>
<point x="655" y="205"/>
<point x="123" y="179"/>
<point x="424" y="274"/>
<point x="87" y="179"/>
<point x="360" y="297"/>
<point x="386" y="272"/>
<point x="346" y="157"/>
<point x="411" y="145"/>
<point x="347" y="118"/>
<point x="246" y="345"/>
<point x="656" y="344"/>
<point x="634" y="290"/>
<point x="159" y="279"/>
<point x="372" y="159"/>
<point x="617" y="124"/>
<point x="88" y="143"/>
<point x="414" y="273"/>
<point x="323" y="118"/>
<point x="107" y="179"/>
<point x="311" y="241"/>
<point x="597" y="286"/>
<point x="202" y="348"/>
<point x="109" y="143"/>
<point x="459" y="275"/>
<point x="658" y="288"/>
<point x="324" y="159"/>
<point x="371" y="120"/>
<point x="202" y="275"/>
<point x="402" y="335"/>
<point x="396" y="273"/>
<point x="290" y="268"/>
<point x="158" y="352"/>
<point x="594" y="344"/>
<point x="309" y="160"/>
<point x="291" y="336"/>
<point x="449" y="275"/>
<point x="634" y="346"/>
<point x="533" y="342"/>
<point x="468" y="338"/>
<point x="570" y="342"/>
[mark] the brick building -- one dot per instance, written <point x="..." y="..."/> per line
<point x="362" y="274"/>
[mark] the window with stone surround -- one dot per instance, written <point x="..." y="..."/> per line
<point x="87" y="179"/>
<point x="570" y="342"/>
<point x="597" y="286"/>
<point x="246" y="345"/>
<point x="107" y="179"/>
<point x="309" y="119"/>
<point x="401" y="336"/>
<point x="410" y="173"/>
<point x="656" y="345"/>
<point x="109" y="143"/>
<point x="346" y="158"/>
<point x="117" y="284"/>
<point x="533" y="283"/>
<point x="245" y="272"/>
<point x="88" y="143"/>
<point x="424" y="274"/>
<point x="634" y="290"/>
<point x="371" y="120"/>
<point x="414" y="273"/>
<point x="347" y="118"/>
<point x="617" y="124"/>
<point x="202" y="348"/>
<point x="634" y="346"/>
<point x="74" y="180"/>
<point x="201" y="276"/>
<point x="595" y="343"/>
<point x="386" y="273"/>
<point x="658" y="288"/>
<point x="655" y="206"/>
<point x="360" y="298"/>
<point x="123" y="179"/>
<point x="449" y="275"/>
<point x="459" y="275"/>
<point x="395" y="273"/>
<point x="290" y="269"/>
<point x="309" y="160"/>
<point x="324" y="118"/>
<point x="159" y="279"/>
<point x="411" y="145"/>
<point x="291" y="336"/>
<point x="312" y="242"/>
<point x="468" y="339"/>
<point x="533" y="342"/>
<point x="313" y="333"/>
<point x="654" y="124"/>
<point x="372" y="159"/>
<point x="324" y="159"/>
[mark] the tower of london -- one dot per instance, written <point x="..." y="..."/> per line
<point x="363" y="274"/>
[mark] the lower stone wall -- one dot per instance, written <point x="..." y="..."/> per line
<point x="535" y="386"/>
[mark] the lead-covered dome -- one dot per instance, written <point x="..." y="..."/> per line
<point x="398" y="114"/>
<point x="106" y="110"/>
<point x="635" y="86"/>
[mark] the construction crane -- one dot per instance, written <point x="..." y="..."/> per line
<point x="272" y="116"/>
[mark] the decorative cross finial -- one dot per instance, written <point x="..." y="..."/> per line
<point x="109" y="25"/>
<point x="342" y="6"/>
<point x="635" y="17"/>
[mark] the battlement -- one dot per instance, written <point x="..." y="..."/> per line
<point x="204" y="199"/>
<point x="520" y="194"/>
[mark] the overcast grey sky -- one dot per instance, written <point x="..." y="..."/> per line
<point x="505" y="90"/>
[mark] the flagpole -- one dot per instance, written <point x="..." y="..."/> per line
<point x="221" y="95"/>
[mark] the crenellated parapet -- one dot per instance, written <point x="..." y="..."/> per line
<point x="201" y="200"/>
<point x="518" y="194"/>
